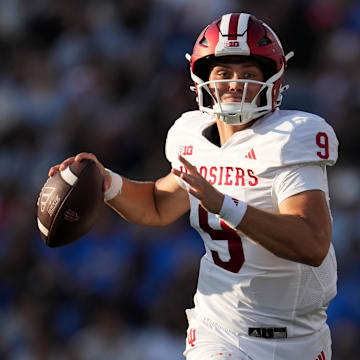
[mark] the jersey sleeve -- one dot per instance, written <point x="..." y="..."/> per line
<point x="172" y="150"/>
<point x="297" y="179"/>
<point x="311" y="140"/>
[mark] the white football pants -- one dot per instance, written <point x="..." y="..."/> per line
<point x="208" y="342"/>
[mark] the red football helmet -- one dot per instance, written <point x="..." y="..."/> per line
<point x="239" y="34"/>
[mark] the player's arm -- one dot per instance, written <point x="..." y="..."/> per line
<point x="151" y="203"/>
<point x="146" y="203"/>
<point x="301" y="232"/>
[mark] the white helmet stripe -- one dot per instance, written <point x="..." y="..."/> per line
<point x="233" y="35"/>
<point x="242" y="26"/>
<point x="233" y="24"/>
<point x="224" y="26"/>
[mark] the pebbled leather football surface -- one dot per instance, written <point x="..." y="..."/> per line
<point x="69" y="203"/>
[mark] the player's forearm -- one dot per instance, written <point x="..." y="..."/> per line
<point x="287" y="236"/>
<point x="137" y="203"/>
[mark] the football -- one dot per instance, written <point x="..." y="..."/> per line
<point x="69" y="203"/>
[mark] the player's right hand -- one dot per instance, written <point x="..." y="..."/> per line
<point x="209" y="198"/>
<point x="80" y="157"/>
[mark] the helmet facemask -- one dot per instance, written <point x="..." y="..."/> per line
<point x="236" y="113"/>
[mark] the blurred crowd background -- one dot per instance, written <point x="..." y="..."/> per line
<point x="110" y="77"/>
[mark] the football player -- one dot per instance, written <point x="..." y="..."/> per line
<point x="254" y="179"/>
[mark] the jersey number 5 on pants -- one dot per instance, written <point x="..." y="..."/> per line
<point x="226" y="233"/>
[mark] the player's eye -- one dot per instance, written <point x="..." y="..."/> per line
<point x="224" y="74"/>
<point x="249" y="75"/>
<point x="252" y="75"/>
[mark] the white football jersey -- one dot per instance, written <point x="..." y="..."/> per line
<point x="242" y="285"/>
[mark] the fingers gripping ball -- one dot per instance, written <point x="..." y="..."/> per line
<point x="69" y="203"/>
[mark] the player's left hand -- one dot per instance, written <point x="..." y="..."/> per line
<point x="209" y="198"/>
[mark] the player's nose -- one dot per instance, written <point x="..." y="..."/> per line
<point x="236" y="85"/>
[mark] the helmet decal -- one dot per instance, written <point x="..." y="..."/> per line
<point x="233" y="35"/>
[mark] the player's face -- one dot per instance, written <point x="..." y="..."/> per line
<point x="232" y="91"/>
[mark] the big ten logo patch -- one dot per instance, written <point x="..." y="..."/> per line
<point x="185" y="150"/>
<point x="192" y="337"/>
<point x="230" y="44"/>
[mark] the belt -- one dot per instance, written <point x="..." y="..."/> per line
<point x="268" y="333"/>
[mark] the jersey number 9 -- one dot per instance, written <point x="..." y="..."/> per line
<point x="322" y="141"/>
<point x="235" y="247"/>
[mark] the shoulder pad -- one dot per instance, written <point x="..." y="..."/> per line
<point x="181" y="131"/>
<point x="310" y="140"/>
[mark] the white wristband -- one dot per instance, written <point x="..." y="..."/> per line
<point x="116" y="186"/>
<point x="232" y="211"/>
